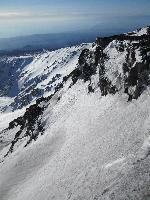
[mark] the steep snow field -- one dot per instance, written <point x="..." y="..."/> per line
<point x="92" y="146"/>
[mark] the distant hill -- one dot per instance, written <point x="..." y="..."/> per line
<point x="51" y="41"/>
<point x="48" y="41"/>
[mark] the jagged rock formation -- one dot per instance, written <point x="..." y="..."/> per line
<point x="29" y="124"/>
<point x="134" y="73"/>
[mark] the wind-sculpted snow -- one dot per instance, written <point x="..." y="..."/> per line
<point x="88" y="137"/>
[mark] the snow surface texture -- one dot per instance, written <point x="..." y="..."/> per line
<point x="93" y="147"/>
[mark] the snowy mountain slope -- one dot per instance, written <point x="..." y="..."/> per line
<point x="26" y="78"/>
<point x="89" y="138"/>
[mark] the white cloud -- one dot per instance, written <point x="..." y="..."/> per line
<point x="10" y="15"/>
<point x="58" y="15"/>
<point x="46" y="15"/>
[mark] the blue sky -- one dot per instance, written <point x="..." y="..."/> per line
<point x="25" y="17"/>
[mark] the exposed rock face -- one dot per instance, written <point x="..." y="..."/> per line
<point x="87" y="64"/>
<point x="135" y="73"/>
<point x="138" y="77"/>
<point x="29" y="124"/>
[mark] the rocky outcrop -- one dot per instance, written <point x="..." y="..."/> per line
<point x="29" y="124"/>
<point x="135" y="77"/>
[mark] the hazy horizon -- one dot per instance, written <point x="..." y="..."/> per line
<point x="30" y="17"/>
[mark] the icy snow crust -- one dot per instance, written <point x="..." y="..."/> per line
<point x="93" y="147"/>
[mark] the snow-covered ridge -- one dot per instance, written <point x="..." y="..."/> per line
<point x="26" y="78"/>
<point x="140" y="32"/>
<point x="87" y="137"/>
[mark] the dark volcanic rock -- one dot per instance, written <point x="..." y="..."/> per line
<point x="29" y="125"/>
<point x="87" y="64"/>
